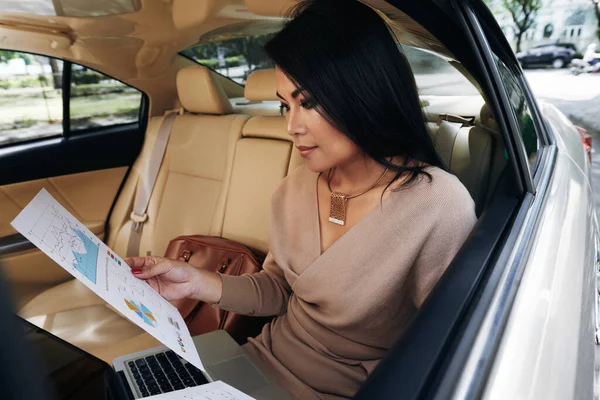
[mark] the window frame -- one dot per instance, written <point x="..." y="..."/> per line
<point x="430" y="357"/>
<point x="481" y="337"/>
<point x="66" y="104"/>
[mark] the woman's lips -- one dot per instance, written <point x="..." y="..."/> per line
<point x="306" y="150"/>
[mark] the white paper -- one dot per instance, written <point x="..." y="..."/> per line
<point x="217" y="390"/>
<point x="49" y="226"/>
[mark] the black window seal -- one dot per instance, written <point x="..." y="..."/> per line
<point x="66" y="98"/>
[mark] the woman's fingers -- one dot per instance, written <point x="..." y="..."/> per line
<point x="151" y="268"/>
<point x="142" y="262"/>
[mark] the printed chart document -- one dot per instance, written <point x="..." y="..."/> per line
<point x="49" y="226"/>
<point x="211" y="391"/>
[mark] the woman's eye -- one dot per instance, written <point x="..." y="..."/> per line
<point x="283" y="109"/>
<point x="308" y="104"/>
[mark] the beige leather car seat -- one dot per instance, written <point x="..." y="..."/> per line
<point x="466" y="153"/>
<point x="264" y="156"/>
<point x="498" y="158"/>
<point x="191" y="188"/>
<point x="189" y="198"/>
<point x="222" y="173"/>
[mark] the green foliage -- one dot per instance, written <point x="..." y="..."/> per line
<point x="86" y="77"/>
<point x="247" y="50"/>
<point x="229" y="62"/>
<point x="26" y="82"/>
<point x="6" y="55"/>
<point x="524" y="14"/>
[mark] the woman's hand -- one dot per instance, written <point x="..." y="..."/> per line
<point x="175" y="280"/>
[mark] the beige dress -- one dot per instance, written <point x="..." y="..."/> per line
<point x="338" y="313"/>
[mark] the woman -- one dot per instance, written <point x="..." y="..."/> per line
<point x="361" y="233"/>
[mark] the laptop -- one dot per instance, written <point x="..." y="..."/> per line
<point x="76" y="374"/>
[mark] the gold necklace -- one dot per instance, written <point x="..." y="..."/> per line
<point x="337" y="209"/>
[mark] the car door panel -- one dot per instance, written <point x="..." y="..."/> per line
<point x="107" y="148"/>
<point x="547" y="351"/>
<point x="88" y="196"/>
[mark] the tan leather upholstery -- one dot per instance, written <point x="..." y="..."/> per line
<point x="190" y="191"/>
<point x="189" y="198"/>
<point x="87" y="195"/>
<point x="261" y="85"/>
<point x="259" y="166"/>
<point x="487" y="122"/>
<point x="217" y="178"/>
<point x="198" y="92"/>
<point x="260" y="95"/>
<point x="267" y="127"/>
<point x="468" y="153"/>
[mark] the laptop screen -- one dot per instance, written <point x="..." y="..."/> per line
<point x="68" y="371"/>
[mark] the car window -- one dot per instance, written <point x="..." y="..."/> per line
<point x="98" y="100"/>
<point x="520" y="108"/>
<point x="30" y="97"/>
<point x="235" y="57"/>
<point x="436" y="76"/>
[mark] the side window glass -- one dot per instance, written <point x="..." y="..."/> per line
<point x="31" y="105"/>
<point x="518" y="104"/>
<point x="100" y="101"/>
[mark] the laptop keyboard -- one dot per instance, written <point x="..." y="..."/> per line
<point x="164" y="372"/>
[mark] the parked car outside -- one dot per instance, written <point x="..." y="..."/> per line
<point x="553" y="55"/>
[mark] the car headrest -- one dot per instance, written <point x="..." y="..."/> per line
<point x="199" y="92"/>
<point x="487" y="119"/>
<point x="261" y="86"/>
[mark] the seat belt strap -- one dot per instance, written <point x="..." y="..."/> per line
<point x="146" y="181"/>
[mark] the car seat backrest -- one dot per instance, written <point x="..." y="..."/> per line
<point x="263" y="157"/>
<point x="466" y="153"/>
<point x="190" y="192"/>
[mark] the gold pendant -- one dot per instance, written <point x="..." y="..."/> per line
<point x="337" y="210"/>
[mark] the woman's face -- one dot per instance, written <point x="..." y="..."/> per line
<point x="322" y="146"/>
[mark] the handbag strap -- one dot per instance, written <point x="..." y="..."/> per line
<point x="146" y="183"/>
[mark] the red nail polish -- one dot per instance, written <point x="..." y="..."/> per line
<point x="136" y="271"/>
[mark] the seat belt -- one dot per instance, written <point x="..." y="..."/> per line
<point x="146" y="182"/>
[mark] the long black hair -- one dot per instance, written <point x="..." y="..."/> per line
<point x="342" y="54"/>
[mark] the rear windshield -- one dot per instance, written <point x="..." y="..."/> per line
<point x="236" y="52"/>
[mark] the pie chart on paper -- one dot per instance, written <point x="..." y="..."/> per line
<point x="142" y="311"/>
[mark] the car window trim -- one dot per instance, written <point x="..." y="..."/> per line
<point x="490" y="316"/>
<point x="66" y="97"/>
<point x="505" y="115"/>
<point x="66" y="90"/>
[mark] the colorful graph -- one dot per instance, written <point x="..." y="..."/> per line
<point x="86" y="262"/>
<point x="142" y="311"/>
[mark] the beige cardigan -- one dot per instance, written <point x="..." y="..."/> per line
<point x="339" y="312"/>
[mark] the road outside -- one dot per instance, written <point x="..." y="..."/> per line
<point x="578" y="97"/>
